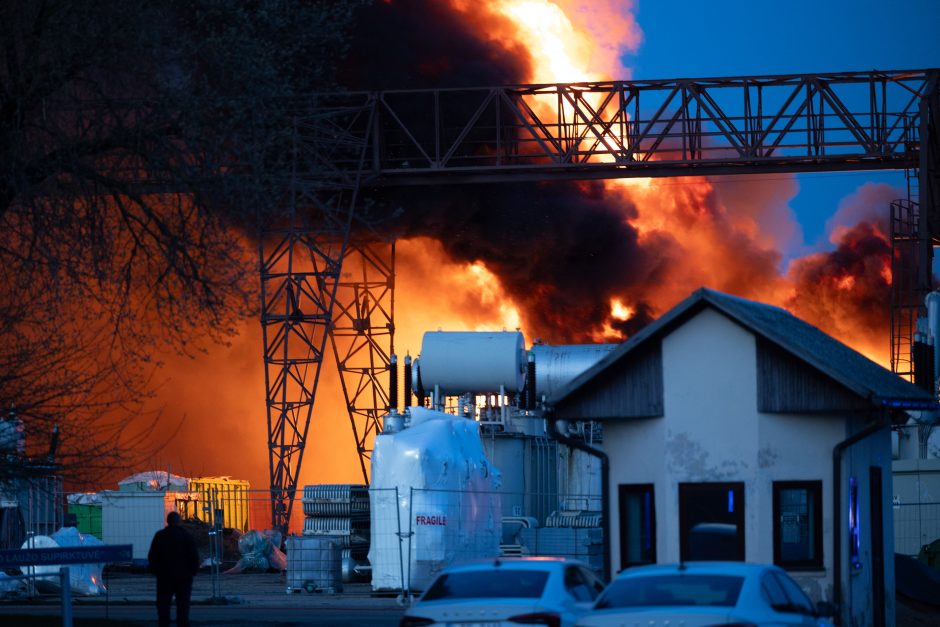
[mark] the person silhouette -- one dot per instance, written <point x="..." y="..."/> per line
<point x="173" y="558"/>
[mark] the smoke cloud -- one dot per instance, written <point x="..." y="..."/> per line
<point x="551" y="257"/>
<point x="563" y="251"/>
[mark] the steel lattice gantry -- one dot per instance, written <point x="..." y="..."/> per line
<point x="300" y="264"/>
<point x="612" y="129"/>
<point x="363" y="338"/>
<point x="812" y="123"/>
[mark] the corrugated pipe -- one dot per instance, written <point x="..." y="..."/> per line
<point x="605" y="488"/>
<point x="837" y="452"/>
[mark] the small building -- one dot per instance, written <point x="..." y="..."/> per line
<point x="134" y="516"/>
<point x="735" y="430"/>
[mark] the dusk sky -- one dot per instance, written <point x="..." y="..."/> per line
<point x="695" y="39"/>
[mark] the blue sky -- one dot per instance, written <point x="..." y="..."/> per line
<point x="700" y="38"/>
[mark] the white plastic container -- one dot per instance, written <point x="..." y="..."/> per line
<point x="434" y="498"/>
<point x="314" y="564"/>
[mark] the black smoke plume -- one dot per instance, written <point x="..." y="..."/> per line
<point x="560" y="249"/>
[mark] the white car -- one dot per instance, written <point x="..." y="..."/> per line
<point x="696" y="594"/>
<point x="507" y="592"/>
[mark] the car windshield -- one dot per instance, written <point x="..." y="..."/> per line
<point x="488" y="584"/>
<point x="722" y="590"/>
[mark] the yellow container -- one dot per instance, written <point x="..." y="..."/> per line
<point x="225" y="494"/>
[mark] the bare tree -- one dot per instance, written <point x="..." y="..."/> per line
<point x="140" y="146"/>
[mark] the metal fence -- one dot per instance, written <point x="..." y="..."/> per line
<point x="417" y="533"/>
<point x="29" y="507"/>
<point x="397" y="538"/>
<point x="916" y="525"/>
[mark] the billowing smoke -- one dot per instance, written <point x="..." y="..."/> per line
<point x="550" y="258"/>
<point x="564" y="251"/>
<point x="560" y="250"/>
<point x="415" y="44"/>
<point x="847" y="291"/>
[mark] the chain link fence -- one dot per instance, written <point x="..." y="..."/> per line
<point x="916" y="525"/>
<point x="397" y="539"/>
<point x="418" y="533"/>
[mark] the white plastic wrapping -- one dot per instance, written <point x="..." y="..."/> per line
<point x="447" y="508"/>
<point x="154" y="481"/>
<point x="84" y="579"/>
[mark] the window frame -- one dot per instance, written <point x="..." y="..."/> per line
<point x="814" y="490"/>
<point x="647" y="490"/>
<point x="688" y="490"/>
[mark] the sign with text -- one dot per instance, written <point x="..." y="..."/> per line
<point x="100" y="554"/>
<point x="431" y="519"/>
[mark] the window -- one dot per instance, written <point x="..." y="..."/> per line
<point x="783" y="594"/>
<point x="582" y="584"/>
<point x="798" y="524"/>
<point x="684" y="589"/>
<point x="637" y="525"/>
<point x="711" y="521"/>
<point x="491" y="583"/>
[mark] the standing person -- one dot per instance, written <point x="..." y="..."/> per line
<point x="174" y="560"/>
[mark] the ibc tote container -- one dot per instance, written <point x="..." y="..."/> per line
<point x="314" y="563"/>
<point x="229" y="495"/>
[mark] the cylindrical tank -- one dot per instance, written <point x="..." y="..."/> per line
<point x="556" y="366"/>
<point x="479" y="362"/>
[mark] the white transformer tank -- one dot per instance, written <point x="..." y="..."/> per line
<point x="457" y="362"/>
<point x="434" y="500"/>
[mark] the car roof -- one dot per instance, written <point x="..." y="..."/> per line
<point x="714" y="568"/>
<point x="513" y="563"/>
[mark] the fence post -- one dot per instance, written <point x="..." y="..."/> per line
<point x="401" y="539"/>
<point x="411" y="533"/>
<point x="66" y="585"/>
<point x="215" y="541"/>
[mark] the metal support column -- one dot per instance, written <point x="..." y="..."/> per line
<point x="363" y="338"/>
<point x="300" y="271"/>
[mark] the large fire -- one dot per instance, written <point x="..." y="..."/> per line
<point x="574" y="262"/>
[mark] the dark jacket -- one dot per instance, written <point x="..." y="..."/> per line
<point x="173" y="553"/>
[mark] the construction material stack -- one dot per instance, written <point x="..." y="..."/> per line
<point x="339" y="513"/>
<point x="568" y="533"/>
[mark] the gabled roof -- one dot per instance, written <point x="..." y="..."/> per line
<point x="846" y="366"/>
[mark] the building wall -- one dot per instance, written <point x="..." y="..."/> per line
<point x="858" y="459"/>
<point x="712" y="432"/>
